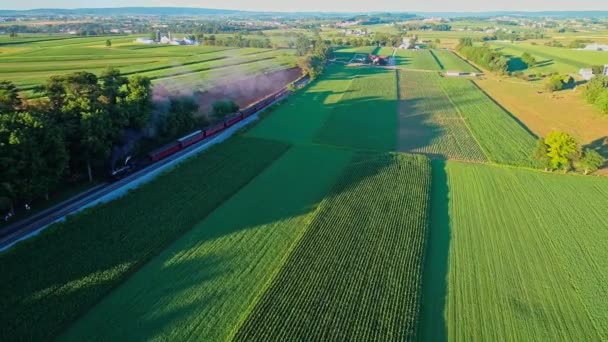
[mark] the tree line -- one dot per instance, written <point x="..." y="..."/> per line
<point x="313" y="55"/>
<point x="67" y="134"/>
<point x="483" y="55"/>
<point x="560" y="151"/>
<point x="596" y="91"/>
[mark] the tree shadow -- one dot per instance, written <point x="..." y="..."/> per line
<point x="433" y="324"/>
<point x="516" y="64"/>
<point x="600" y="146"/>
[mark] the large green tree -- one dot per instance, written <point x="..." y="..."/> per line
<point x="562" y="150"/>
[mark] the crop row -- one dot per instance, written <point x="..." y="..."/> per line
<point x="355" y="275"/>
<point x="450" y="62"/>
<point x="53" y="279"/>
<point x="527" y="263"/>
<point x="501" y="137"/>
<point x="429" y="123"/>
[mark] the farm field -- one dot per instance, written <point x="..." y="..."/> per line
<point x="429" y="122"/>
<point x="348" y="107"/>
<point x="310" y="225"/>
<point x="501" y="137"/>
<point x="107" y="244"/>
<point x="413" y="59"/>
<point x="516" y="253"/>
<point x="554" y="59"/>
<point x="30" y="63"/>
<point x="543" y="113"/>
<point x="448" y="61"/>
<point x="205" y="284"/>
<point x="365" y="117"/>
<point x="355" y="275"/>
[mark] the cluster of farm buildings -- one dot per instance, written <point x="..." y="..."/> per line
<point x="168" y="39"/>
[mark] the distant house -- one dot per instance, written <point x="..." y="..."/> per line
<point x="586" y="74"/>
<point x="406" y="43"/>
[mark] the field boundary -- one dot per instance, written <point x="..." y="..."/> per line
<point x="437" y="60"/>
<point x="519" y="122"/>
<point x="485" y="153"/>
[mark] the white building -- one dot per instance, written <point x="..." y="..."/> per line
<point x="596" y="47"/>
<point x="144" y="41"/>
<point x="586" y="74"/>
<point x="406" y="43"/>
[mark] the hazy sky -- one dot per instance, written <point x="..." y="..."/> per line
<point x="327" y="5"/>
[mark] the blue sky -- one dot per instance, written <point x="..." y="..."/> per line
<point x="327" y="5"/>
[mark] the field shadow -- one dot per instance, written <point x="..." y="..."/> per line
<point x="600" y="146"/>
<point x="433" y="324"/>
<point x="516" y="64"/>
<point x="441" y="66"/>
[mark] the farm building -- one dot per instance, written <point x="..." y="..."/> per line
<point x="406" y="43"/>
<point x="144" y="41"/>
<point x="596" y="47"/>
<point x="586" y="74"/>
<point x="455" y="73"/>
<point x="606" y="70"/>
<point x="378" y="60"/>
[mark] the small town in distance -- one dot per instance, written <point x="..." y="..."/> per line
<point x="314" y="171"/>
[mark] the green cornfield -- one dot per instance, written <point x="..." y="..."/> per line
<point x="428" y="121"/>
<point x="355" y="275"/>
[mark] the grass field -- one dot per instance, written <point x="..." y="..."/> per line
<point x="56" y="277"/>
<point x="429" y="122"/>
<point x="501" y="137"/>
<point x="516" y="254"/>
<point x="356" y="273"/>
<point x="348" y="107"/>
<point x="553" y="59"/>
<point x="366" y="116"/>
<point x="413" y="59"/>
<point x="450" y="62"/>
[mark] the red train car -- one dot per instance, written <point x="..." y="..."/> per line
<point x="248" y="111"/>
<point x="231" y="121"/>
<point x="164" y="151"/>
<point x="214" y="129"/>
<point x="191" y="138"/>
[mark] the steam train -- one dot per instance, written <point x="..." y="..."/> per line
<point x="202" y="134"/>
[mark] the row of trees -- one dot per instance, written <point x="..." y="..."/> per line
<point x="483" y="55"/>
<point x="236" y="40"/>
<point x="313" y="55"/>
<point x="68" y="133"/>
<point x="560" y="151"/>
<point x="596" y="92"/>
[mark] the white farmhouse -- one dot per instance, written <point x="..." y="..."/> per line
<point x="586" y="74"/>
